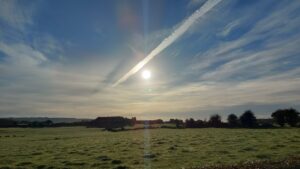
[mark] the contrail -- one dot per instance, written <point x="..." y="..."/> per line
<point x="171" y="38"/>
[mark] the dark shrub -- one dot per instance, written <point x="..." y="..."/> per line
<point x="233" y="120"/>
<point x="215" y="121"/>
<point x="248" y="119"/>
<point x="7" y="123"/>
<point x="292" y="117"/>
<point x="289" y="116"/>
<point x="110" y="123"/>
<point x="190" y="123"/>
<point x="278" y="116"/>
<point x="177" y="122"/>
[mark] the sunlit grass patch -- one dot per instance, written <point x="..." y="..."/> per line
<point x="77" y="147"/>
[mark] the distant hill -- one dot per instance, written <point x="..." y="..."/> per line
<point x="54" y="120"/>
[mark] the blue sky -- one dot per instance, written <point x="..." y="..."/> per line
<point x="62" y="58"/>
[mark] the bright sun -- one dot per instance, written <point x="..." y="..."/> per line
<point x="146" y="74"/>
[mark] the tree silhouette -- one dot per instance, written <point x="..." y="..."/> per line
<point x="177" y="122"/>
<point x="278" y="116"/>
<point x="111" y="123"/>
<point x="248" y="119"/>
<point x="215" y="121"/>
<point x="48" y="123"/>
<point x="232" y="120"/>
<point x="282" y="116"/>
<point x="7" y="123"/>
<point x="190" y="123"/>
<point x="292" y="117"/>
<point x="200" y="124"/>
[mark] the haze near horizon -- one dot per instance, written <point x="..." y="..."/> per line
<point x="148" y="59"/>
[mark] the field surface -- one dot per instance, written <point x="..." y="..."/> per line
<point x="79" y="147"/>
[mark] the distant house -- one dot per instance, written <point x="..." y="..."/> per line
<point x="111" y="122"/>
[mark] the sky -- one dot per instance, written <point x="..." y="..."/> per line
<point x="84" y="59"/>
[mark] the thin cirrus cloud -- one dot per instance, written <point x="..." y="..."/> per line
<point x="170" y="39"/>
<point x="17" y="17"/>
<point x="248" y="60"/>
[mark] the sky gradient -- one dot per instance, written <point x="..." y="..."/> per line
<point x="65" y="58"/>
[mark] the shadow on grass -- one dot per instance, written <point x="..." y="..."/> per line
<point x="289" y="163"/>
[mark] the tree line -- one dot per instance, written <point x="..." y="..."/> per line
<point x="280" y="117"/>
<point x="8" y="122"/>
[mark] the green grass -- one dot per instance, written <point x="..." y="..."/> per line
<point x="78" y="147"/>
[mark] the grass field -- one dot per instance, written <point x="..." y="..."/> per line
<point x="79" y="147"/>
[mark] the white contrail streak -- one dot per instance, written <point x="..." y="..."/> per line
<point x="171" y="38"/>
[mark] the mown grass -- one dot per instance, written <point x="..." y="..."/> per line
<point x="79" y="147"/>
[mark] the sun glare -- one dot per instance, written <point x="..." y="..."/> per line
<point x="146" y="74"/>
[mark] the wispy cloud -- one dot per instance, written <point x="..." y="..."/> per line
<point x="228" y="28"/>
<point x="17" y="17"/>
<point x="170" y="39"/>
<point x="256" y="64"/>
<point x="273" y="40"/>
<point x="21" y="54"/>
<point x="241" y="71"/>
<point x="195" y="3"/>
